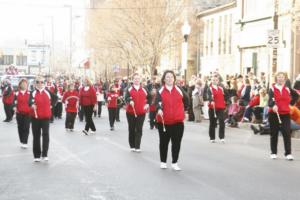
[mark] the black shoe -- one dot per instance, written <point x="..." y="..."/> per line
<point x="85" y="132"/>
<point x="118" y="120"/>
<point x="112" y="128"/>
<point x="254" y="129"/>
<point x="99" y="116"/>
<point x="6" y="120"/>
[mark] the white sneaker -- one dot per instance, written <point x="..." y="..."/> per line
<point x="163" y="165"/>
<point x="45" y="159"/>
<point x="212" y="141"/>
<point x="289" y="157"/>
<point x="222" y="141"/>
<point x="132" y="149"/>
<point x="93" y="132"/>
<point x="176" y="167"/>
<point x="24" y="146"/>
<point x="37" y="160"/>
<point x="273" y="156"/>
<point x="138" y="151"/>
<point x="67" y="129"/>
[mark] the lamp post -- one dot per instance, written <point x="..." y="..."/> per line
<point x="186" y="30"/>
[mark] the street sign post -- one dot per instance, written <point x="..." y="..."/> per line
<point x="273" y="39"/>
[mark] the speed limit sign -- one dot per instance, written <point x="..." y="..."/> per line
<point x="273" y="39"/>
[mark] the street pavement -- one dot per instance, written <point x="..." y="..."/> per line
<point x="101" y="167"/>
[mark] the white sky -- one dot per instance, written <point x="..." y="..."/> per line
<point x="24" y="19"/>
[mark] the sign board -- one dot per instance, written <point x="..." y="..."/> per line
<point x="273" y="39"/>
<point x="38" y="55"/>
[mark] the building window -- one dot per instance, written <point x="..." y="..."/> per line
<point x="211" y="36"/>
<point x="21" y="60"/>
<point x="225" y="34"/>
<point x="220" y="36"/>
<point x="8" y="59"/>
<point x="230" y="34"/>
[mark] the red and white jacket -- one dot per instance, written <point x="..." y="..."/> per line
<point x="87" y="96"/>
<point x="172" y="103"/>
<point x="42" y="100"/>
<point x="22" y="102"/>
<point x="8" y="95"/>
<point x="71" y="101"/>
<point x="281" y="98"/>
<point x="140" y="97"/>
<point x="216" y="95"/>
<point x="59" y="93"/>
<point x="112" y="99"/>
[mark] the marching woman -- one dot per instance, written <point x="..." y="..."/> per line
<point x="279" y="115"/>
<point x="217" y="105"/>
<point x="100" y="97"/>
<point x="71" y="101"/>
<point x="40" y="101"/>
<point x="152" y="109"/>
<point x="137" y="99"/>
<point x="171" y="102"/>
<point x="23" y="112"/>
<point x="112" y="98"/>
<point x="8" y="99"/>
<point x="88" y="101"/>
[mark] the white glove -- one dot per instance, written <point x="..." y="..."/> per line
<point x="131" y="103"/>
<point x="160" y="112"/>
<point x="146" y="107"/>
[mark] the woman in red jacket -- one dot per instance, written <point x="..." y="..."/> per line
<point x="40" y="101"/>
<point x="111" y="99"/>
<point x="217" y="105"/>
<point x="88" y="101"/>
<point x="71" y="101"/>
<point x="279" y="116"/>
<point x="171" y="101"/>
<point x="8" y="99"/>
<point x="137" y="99"/>
<point x="23" y="112"/>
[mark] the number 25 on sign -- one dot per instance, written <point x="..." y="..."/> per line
<point x="273" y="39"/>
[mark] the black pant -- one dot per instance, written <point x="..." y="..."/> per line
<point x="112" y="116"/>
<point x="135" y="127"/>
<point x="258" y="112"/>
<point x="285" y="128"/>
<point x="152" y="119"/>
<point x="88" y="113"/>
<point x="70" y="119"/>
<point x="40" y="126"/>
<point x="23" y="127"/>
<point x="174" y="133"/>
<point x="118" y="113"/>
<point x="80" y="113"/>
<point x="213" y="123"/>
<point x="9" y="112"/>
<point x="58" y="110"/>
<point x="99" y="109"/>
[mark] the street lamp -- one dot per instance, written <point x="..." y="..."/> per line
<point x="186" y="30"/>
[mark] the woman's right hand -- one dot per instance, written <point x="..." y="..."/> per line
<point x="160" y="112"/>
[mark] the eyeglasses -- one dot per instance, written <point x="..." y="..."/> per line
<point x="39" y="82"/>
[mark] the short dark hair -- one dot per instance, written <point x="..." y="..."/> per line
<point x="164" y="76"/>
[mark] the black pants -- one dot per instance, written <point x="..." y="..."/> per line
<point x="23" y="127"/>
<point x="40" y="127"/>
<point x="135" y="127"/>
<point x="213" y="123"/>
<point x="152" y="119"/>
<point x="258" y="112"/>
<point x="58" y="110"/>
<point x="118" y="114"/>
<point x="99" y="109"/>
<point x="9" y="112"/>
<point x="88" y="114"/>
<point x="285" y="129"/>
<point x="174" y="133"/>
<point x="70" y="119"/>
<point x="80" y="113"/>
<point x="112" y="116"/>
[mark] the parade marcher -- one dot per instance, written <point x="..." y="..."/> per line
<point x="8" y="99"/>
<point x="111" y="99"/>
<point x="100" y="98"/>
<point x="216" y="97"/>
<point x="119" y="91"/>
<point x="152" y="108"/>
<point x="137" y="99"/>
<point x="88" y="101"/>
<point x="51" y="87"/>
<point x="59" y="105"/>
<point x="40" y="101"/>
<point x="23" y="112"/>
<point x="71" y="101"/>
<point x="279" y="115"/>
<point x="171" y="103"/>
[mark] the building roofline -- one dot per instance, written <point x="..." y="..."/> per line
<point x="216" y="9"/>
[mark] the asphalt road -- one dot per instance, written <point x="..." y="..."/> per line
<point x="101" y="166"/>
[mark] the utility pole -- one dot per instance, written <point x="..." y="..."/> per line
<point x="275" y="27"/>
